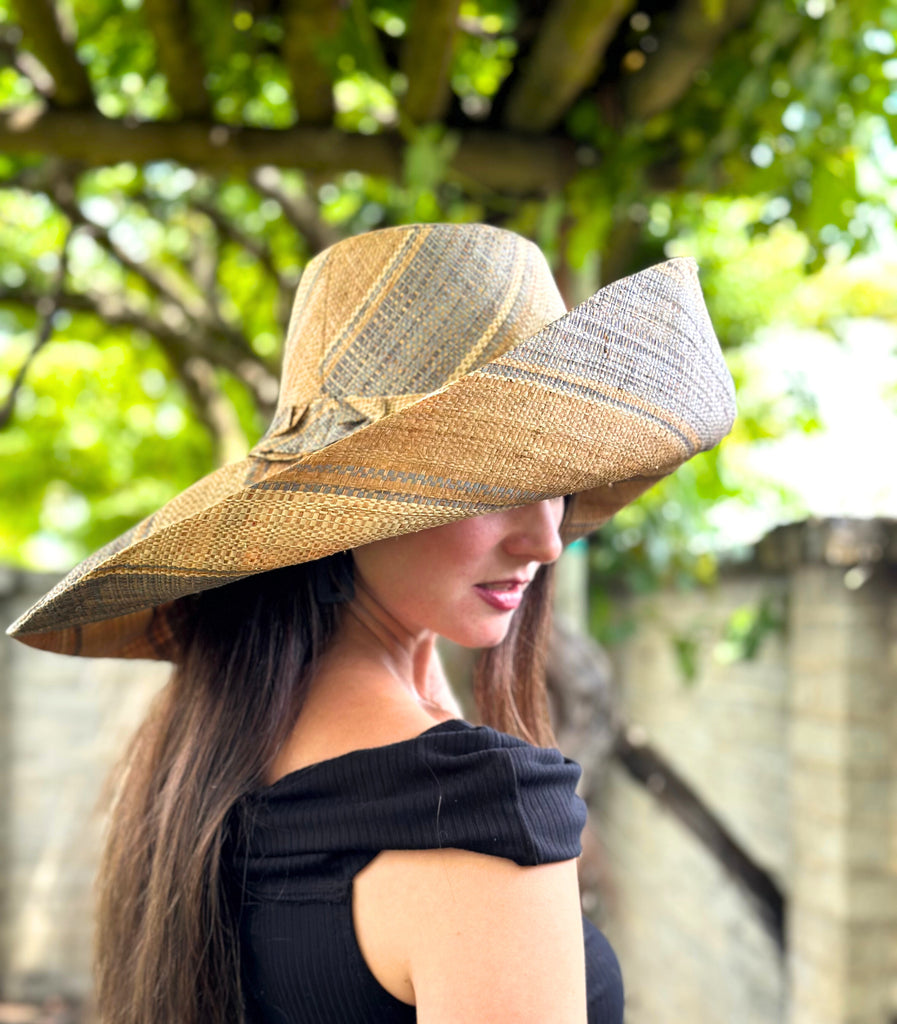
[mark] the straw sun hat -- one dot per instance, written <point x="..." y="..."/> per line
<point x="431" y="373"/>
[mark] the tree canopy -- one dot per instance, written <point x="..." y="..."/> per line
<point x="167" y="167"/>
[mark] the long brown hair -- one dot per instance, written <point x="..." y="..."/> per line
<point x="509" y="679"/>
<point x="167" y="945"/>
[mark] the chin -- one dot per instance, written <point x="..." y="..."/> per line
<point x="480" y="639"/>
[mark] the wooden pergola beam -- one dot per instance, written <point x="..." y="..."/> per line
<point x="46" y="38"/>
<point x="688" y="43"/>
<point x="566" y="56"/>
<point x="309" y="27"/>
<point x="179" y="57"/>
<point x="514" y="164"/>
<point x="426" y="58"/>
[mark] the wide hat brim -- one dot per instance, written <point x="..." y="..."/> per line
<point x="600" y="404"/>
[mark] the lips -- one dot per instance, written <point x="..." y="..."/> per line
<point x="505" y="595"/>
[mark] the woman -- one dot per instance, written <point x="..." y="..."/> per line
<point x="306" y="828"/>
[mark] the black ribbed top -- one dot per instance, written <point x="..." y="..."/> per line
<point x="303" y="840"/>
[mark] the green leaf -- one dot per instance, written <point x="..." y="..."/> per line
<point x="428" y="155"/>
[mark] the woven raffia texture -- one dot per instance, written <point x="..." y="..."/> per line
<point x="430" y="373"/>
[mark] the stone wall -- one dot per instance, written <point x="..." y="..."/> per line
<point x="691" y="944"/>
<point x="794" y="749"/>
<point x="63" y="724"/>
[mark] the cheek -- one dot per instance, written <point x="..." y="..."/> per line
<point x="441" y="553"/>
<point x="468" y="542"/>
<point x="401" y="571"/>
<point x="425" y="579"/>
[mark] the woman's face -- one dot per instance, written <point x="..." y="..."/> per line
<point x="464" y="580"/>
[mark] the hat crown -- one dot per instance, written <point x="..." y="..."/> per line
<point x="381" y="319"/>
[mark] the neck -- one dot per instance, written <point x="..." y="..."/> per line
<point x="371" y="640"/>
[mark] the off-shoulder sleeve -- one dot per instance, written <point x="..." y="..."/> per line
<point x="495" y="794"/>
<point x="457" y="785"/>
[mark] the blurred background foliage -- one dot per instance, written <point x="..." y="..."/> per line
<point x="167" y="167"/>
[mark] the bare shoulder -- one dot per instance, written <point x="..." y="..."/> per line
<point x="329" y="728"/>
<point x="466" y="936"/>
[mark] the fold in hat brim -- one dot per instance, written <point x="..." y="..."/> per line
<point x="585" y="407"/>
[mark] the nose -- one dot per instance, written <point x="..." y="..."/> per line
<point x="535" y="533"/>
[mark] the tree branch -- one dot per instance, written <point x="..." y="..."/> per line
<point x="310" y="27"/>
<point x="179" y="57"/>
<point x="211" y="407"/>
<point x="194" y="308"/>
<point x="300" y="211"/>
<point x="426" y="58"/>
<point x="188" y="340"/>
<point x="507" y="163"/>
<point x="578" y="676"/>
<point x="44" y="33"/>
<point x="254" y="246"/>
<point x="46" y="307"/>
<point x="647" y="766"/>
<point x="227" y="229"/>
<point x="25" y="63"/>
<point x="64" y="196"/>
<point x="687" y="44"/>
<point x="565" y="58"/>
<point x="202" y="263"/>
